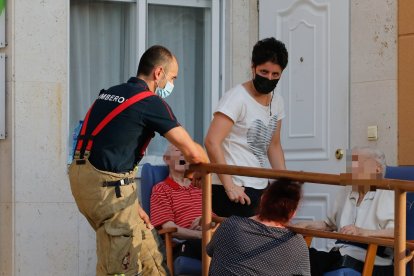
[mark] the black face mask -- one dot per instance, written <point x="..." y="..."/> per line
<point x="264" y="85"/>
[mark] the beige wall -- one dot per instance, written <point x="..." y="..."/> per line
<point x="38" y="219"/>
<point x="244" y="33"/>
<point x="6" y="164"/>
<point x="405" y="82"/>
<point x="373" y="99"/>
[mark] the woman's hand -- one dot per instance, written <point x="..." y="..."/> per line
<point x="236" y="194"/>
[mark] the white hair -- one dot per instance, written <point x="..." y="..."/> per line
<point x="372" y="153"/>
<point x="169" y="149"/>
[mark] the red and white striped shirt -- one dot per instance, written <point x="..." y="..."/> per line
<point x="172" y="202"/>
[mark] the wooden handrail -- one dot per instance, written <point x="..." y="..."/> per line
<point x="342" y="179"/>
<point x="388" y="242"/>
<point x="267" y="173"/>
<point x="399" y="186"/>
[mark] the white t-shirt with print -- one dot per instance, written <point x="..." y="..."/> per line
<point x="250" y="136"/>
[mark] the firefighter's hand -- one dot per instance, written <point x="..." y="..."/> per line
<point x="143" y="215"/>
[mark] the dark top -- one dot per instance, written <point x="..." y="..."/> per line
<point x="121" y="144"/>
<point x="242" y="246"/>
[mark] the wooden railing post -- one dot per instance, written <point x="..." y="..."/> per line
<point x="168" y="248"/>
<point x="206" y="221"/>
<point x="370" y="260"/>
<point x="400" y="232"/>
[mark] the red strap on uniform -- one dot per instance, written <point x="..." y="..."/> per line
<point x="109" y="117"/>
<point x="83" y="129"/>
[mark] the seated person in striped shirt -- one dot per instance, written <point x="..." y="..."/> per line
<point x="176" y="202"/>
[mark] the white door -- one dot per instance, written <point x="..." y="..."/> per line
<point x="315" y="87"/>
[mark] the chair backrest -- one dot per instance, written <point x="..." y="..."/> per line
<point x="151" y="175"/>
<point x="405" y="173"/>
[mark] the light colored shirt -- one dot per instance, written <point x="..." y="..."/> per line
<point x="250" y="136"/>
<point x="375" y="212"/>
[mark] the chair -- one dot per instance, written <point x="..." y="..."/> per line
<point x="150" y="176"/>
<point x="405" y="173"/>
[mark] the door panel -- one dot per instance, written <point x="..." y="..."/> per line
<point x="315" y="87"/>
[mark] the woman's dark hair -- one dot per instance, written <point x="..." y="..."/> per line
<point x="155" y="56"/>
<point x="280" y="200"/>
<point x="270" y="49"/>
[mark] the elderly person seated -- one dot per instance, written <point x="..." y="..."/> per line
<point x="176" y="202"/>
<point x="262" y="245"/>
<point x="358" y="212"/>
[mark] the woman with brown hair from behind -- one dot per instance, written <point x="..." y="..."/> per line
<point x="261" y="244"/>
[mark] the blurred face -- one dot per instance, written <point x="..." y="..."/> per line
<point x="175" y="159"/>
<point x="364" y="167"/>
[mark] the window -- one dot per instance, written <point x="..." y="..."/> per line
<point x="107" y="39"/>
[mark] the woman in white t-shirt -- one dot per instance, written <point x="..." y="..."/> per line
<point x="245" y="131"/>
